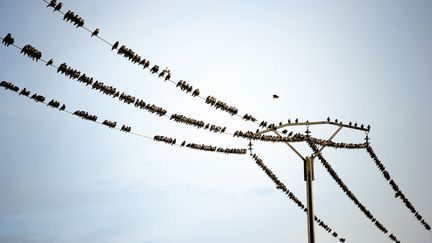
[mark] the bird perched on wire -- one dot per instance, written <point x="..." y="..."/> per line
<point x="95" y="32"/>
<point x="275" y="96"/>
<point x="58" y="7"/>
<point x="50" y="62"/>
<point x="115" y="46"/>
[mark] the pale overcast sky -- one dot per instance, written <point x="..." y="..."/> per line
<point x="66" y="180"/>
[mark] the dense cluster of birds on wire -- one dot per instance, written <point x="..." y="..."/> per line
<point x="298" y="137"/>
<point x="395" y="187"/>
<point x="72" y="73"/>
<point x="203" y="147"/>
<point x="166" y="74"/>
<point x="129" y="99"/>
<point x="113" y="124"/>
<point x="197" y="123"/>
<point x="135" y="58"/>
<point x="281" y="186"/>
<point x="348" y="192"/>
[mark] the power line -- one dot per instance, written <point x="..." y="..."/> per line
<point x="111" y="91"/>
<point x="398" y="193"/>
<point x="136" y="59"/>
<point x="113" y="125"/>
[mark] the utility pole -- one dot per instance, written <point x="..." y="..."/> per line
<point x="308" y="162"/>
<point x="309" y="177"/>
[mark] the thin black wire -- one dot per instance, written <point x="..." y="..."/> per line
<point x="165" y="115"/>
<point x="111" y="45"/>
<point x="396" y="189"/>
<point x="173" y="82"/>
<point x="116" y="128"/>
<point x="289" y="139"/>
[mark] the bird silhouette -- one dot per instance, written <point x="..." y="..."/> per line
<point x="275" y="96"/>
<point x="95" y="32"/>
<point x="58" y="7"/>
<point x="115" y="46"/>
<point x="50" y="62"/>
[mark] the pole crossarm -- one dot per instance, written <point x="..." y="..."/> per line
<point x="291" y="147"/>
<point x="291" y="124"/>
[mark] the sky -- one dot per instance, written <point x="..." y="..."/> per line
<point x="64" y="180"/>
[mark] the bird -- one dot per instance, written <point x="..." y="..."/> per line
<point x="95" y="32"/>
<point x="328" y="119"/>
<point x="275" y="96"/>
<point x="50" y="62"/>
<point x="52" y="3"/>
<point x="285" y="131"/>
<point x="63" y="107"/>
<point x="115" y="46"/>
<point x="58" y="7"/>
<point x="296" y="120"/>
<point x="183" y="144"/>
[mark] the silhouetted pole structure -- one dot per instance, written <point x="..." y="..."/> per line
<point x="309" y="177"/>
<point x="308" y="164"/>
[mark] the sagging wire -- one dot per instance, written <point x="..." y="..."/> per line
<point x="135" y="58"/>
<point x="298" y="137"/>
<point x="111" y="91"/>
<point x="113" y="125"/>
<point x="395" y="187"/>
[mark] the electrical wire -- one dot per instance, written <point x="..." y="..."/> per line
<point x="218" y="104"/>
<point x="36" y="55"/>
<point x="41" y="99"/>
<point x="395" y="187"/>
<point x="128" y="99"/>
